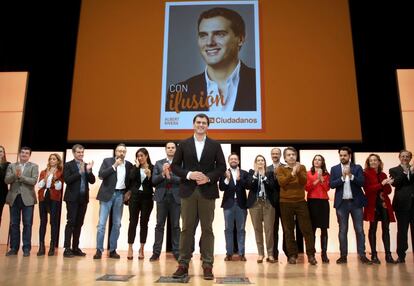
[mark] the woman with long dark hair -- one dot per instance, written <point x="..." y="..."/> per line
<point x="50" y="193"/>
<point x="377" y="188"/>
<point x="141" y="200"/>
<point x="317" y="187"/>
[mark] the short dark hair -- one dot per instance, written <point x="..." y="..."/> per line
<point x="233" y="154"/>
<point x="77" y="146"/>
<point x="202" y="115"/>
<point x="291" y="149"/>
<point x="237" y="23"/>
<point x="168" y="142"/>
<point x="120" y="145"/>
<point x="26" y="148"/>
<point x="345" y="148"/>
<point x="405" y="151"/>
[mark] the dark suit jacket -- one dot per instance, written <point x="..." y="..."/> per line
<point x="160" y="183"/>
<point x="356" y="185"/>
<point x="135" y="183"/>
<point x="404" y="189"/>
<point x="270" y="172"/>
<point x="246" y="91"/>
<point x="253" y="184"/>
<point x="239" y="188"/>
<point x="72" y="178"/>
<point x="212" y="164"/>
<point x="109" y="178"/>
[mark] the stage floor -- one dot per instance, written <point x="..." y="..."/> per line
<point x="57" y="270"/>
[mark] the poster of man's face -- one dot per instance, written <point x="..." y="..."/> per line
<point x="211" y="64"/>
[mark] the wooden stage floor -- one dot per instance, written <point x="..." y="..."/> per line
<point x="57" y="270"/>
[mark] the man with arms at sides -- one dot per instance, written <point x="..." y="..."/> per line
<point x="114" y="173"/>
<point x="234" y="184"/>
<point x="77" y="175"/>
<point x="22" y="177"/>
<point x="221" y="35"/>
<point x="276" y="153"/>
<point x="167" y="186"/>
<point x="199" y="162"/>
<point x="403" y="202"/>
<point x="348" y="179"/>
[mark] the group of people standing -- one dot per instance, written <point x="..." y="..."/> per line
<point x="188" y="181"/>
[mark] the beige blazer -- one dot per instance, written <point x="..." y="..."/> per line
<point x="23" y="185"/>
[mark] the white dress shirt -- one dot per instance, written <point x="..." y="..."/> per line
<point x="120" y="176"/>
<point x="229" y="94"/>
<point x="347" y="184"/>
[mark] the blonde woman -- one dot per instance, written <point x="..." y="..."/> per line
<point x="261" y="205"/>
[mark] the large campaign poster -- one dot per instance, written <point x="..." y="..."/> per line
<point x="211" y="64"/>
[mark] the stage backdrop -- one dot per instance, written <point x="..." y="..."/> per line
<point x="301" y="51"/>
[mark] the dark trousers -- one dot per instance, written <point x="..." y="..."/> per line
<point x="298" y="234"/>
<point x="300" y="210"/>
<point x="52" y="207"/>
<point x="75" y="216"/>
<point x="192" y="206"/>
<point x="380" y="215"/>
<point x="1" y="210"/>
<point x="167" y="206"/>
<point x="139" y="204"/>
<point x="404" y="219"/>
<point x="17" y="210"/>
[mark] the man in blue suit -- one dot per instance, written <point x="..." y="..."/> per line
<point x="348" y="178"/>
<point x="234" y="183"/>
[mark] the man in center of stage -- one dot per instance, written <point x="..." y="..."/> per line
<point x="199" y="162"/>
<point x="227" y="84"/>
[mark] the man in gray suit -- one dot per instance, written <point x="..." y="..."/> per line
<point x="22" y="177"/>
<point x="167" y="186"/>
<point x="114" y="174"/>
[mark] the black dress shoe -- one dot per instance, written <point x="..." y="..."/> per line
<point x="26" y="253"/>
<point x="68" y="253"/>
<point x="365" y="260"/>
<point x="292" y="259"/>
<point x="181" y="272"/>
<point x="98" y="254"/>
<point x="11" y="252"/>
<point x="243" y="258"/>
<point x="374" y="259"/>
<point x="389" y="259"/>
<point x="400" y="260"/>
<point x="208" y="273"/>
<point x="154" y="257"/>
<point x="228" y="258"/>
<point x="78" y="252"/>
<point x="342" y="260"/>
<point x="113" y="254"/>
<point x="312" y="260"/>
